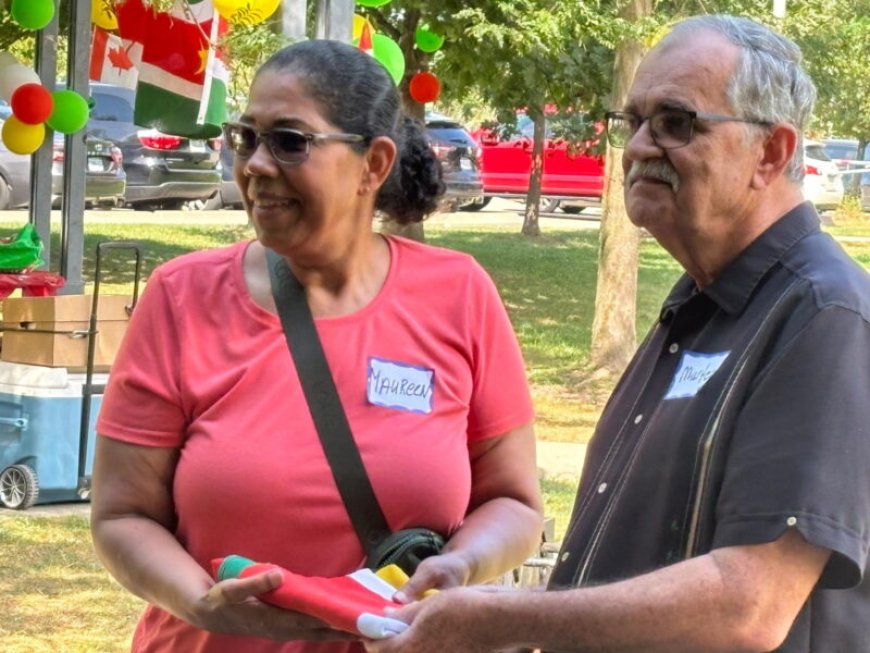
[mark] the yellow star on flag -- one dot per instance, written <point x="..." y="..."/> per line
<point x="203" y="60"/>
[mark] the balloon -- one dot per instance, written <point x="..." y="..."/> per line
<point x="372" y="3"/>
<point x="424" y="87"/>
<point x="358" y="23"/>
<point x="15" y="75"/>
<point x="246" y="12"/>
<point x="388" y="52"/>
<point x="21" y="138"/>
<point x="427" y="40"/>
<point x="70" y="112"/>
<point x="7" y="59"/>
<point x="33" y="14"/>
<point x="103" y="14"/>
<point x="31" y="103"/>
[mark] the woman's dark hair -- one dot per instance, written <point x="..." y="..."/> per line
<point x="359" y="97"/>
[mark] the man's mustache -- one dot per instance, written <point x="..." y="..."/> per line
<point x="655" y="169"/>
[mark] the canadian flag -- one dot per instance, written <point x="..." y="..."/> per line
<point x="114" y="60"/>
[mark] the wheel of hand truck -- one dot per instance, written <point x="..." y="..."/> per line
<point x="19" y="487"/>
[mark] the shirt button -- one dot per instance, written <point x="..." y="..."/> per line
<point x="674" y="348"/>
<point x="565" y="556"/>
<point x="791" y="521"/>
<point x="602" y="488"/>
<point x="638" y="419"/>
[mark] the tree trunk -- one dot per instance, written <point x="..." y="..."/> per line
<point x="531" y="226"/>
<point x="614" y="336"/>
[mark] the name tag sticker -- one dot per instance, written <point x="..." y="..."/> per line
<point x="400" y="386"/>
<point x="693" y="372"/>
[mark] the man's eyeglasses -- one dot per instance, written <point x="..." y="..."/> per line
<point x="287" y="146"/>
<point x="669" y="128"/>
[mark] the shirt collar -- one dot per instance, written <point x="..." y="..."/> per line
<point x="732" y="289"/>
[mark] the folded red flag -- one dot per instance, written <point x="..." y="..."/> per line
<point x="354" y="603"/>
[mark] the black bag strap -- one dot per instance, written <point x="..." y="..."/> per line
<point x="324" y="403"/>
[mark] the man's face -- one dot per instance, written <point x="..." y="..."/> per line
<point x="699" y="192"/>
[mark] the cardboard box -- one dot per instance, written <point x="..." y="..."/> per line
<point x="52" y="331"/>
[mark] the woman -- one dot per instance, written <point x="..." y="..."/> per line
<point x="206" y="443"/>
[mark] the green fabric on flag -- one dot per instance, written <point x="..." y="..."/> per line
<point x="172" y="113"/>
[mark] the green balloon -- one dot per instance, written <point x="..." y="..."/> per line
<point x="33" y="14"/>
<point x="70" y="112"/>
<point x="372" y="3"/>
<point x="427" y="40"/>
<point x="388" y="52"/>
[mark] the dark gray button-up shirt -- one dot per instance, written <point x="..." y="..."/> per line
<point x="746" y="412"/>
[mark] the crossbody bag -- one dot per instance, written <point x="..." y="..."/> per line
<point x="405" y="548"/>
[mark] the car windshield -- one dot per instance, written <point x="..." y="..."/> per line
<point x="816" y="152"/>
<point x="842" y="150"/>
<point x="111" y="107"/>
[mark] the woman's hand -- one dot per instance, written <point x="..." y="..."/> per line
<point x="435" y="572"/>
<point x="232" y="607"/>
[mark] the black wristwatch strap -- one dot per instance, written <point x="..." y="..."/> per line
<point x="324" y="403"/>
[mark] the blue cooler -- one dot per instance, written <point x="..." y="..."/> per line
<point x="40" y="434"/>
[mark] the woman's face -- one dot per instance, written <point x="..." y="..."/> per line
<point x="312" y="211"/>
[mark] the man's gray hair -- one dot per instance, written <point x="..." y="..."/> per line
<point x="769" y="82"/>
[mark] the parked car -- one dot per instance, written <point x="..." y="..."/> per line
<point x="458" y="153"/>
<point x="570" y="178"/>
<point x="14" y="178"/>
<point x="229" y="196"/>
<point x="163" y="171"/>
<point x="105" y="179"/>
<point x="842" y="151"/>
<point x="822" y="185"/>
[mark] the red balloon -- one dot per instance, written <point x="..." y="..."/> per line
<point x="424" y="87"/>
<point x="32" y="103"/>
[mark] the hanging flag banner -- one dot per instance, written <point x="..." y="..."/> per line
<point x="182" y="86"/>
<point x="114" y="61"/>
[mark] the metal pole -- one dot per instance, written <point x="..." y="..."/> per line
<point x="335" y="20"/>
<point x="75" y="152"/>
<point x="40" y="172"/>
<point x="293" y="15"/>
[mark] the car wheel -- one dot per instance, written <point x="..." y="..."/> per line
<point x="548" y="205"/>
<point x="19" y="487"/>
<point x="573" y="210"/>
<point x="476" y="206"/>
<point x="170" y="205"/>
<point x="5" y="194"/>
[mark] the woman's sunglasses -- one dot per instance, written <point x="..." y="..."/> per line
<point x="287" y="146"/>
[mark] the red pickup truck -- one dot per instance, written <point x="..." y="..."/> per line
<point x="572" y="180"/>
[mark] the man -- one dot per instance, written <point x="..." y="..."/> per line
<point x="725" y="501"/>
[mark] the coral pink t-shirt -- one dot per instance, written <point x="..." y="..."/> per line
<point x="429" y="365"/>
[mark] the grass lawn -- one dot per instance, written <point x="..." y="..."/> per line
<point x="56" y="597"/>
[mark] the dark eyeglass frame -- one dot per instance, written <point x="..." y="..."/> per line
<point x="656" y="121"/>
<point x="268" y="138"/>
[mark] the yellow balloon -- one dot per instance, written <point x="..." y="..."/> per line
<point x="21" y="138"/>
<point x="246" y="12"/>
<point x="103" y="14"/>
<point x="358" y="24"/>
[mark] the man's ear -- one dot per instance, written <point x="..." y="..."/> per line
<point x="779" y="148"/>
<point x="380" y="158"/>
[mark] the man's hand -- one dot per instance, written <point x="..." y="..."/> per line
<point x="439" y="623"/>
